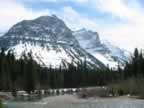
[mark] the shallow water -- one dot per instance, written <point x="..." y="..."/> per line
<point x="103" y="103"/>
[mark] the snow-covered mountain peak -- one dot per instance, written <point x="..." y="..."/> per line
<point x="49" y="40"/>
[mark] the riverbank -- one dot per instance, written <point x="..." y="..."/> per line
<point x="80" y="93"/>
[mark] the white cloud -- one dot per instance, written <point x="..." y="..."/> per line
<point x="39" y="0"/>
<point x="125" y="36"/>
<point x="12" y="12"/>
<point x="75" y="20"/>
<point x="81" y="1"/>
<point x="74" y="1"/>
<point x="121" y="9"/>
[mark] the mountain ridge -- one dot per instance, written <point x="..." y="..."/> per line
<point x="47" y="37"/>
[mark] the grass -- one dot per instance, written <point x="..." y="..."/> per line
<point x="1" y="106"/>
<point x="132" y="86"/>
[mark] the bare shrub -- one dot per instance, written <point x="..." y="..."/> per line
<point x="93" y="92"/>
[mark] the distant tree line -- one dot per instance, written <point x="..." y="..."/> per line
<point x="135" y="67"/>
<point x="26" y="74"/>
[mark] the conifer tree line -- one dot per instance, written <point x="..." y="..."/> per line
<point x="26" y="74"/>
<point x="135" y="67"/>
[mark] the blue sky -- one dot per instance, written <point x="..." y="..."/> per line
<point x="118" y="21"/>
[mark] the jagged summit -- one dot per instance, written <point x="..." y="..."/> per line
<point x="89" y="34"/>
<point x="89" y="40"/>
<point x="46" y="28"/>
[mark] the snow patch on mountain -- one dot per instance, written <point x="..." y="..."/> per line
<point x="41" y="55"/>
<point x="107" y="60"/>
<point x="121" y="54"/>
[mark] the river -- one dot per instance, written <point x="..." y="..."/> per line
<point x="69" y="101"/>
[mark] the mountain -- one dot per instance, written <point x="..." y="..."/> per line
<point x="49" y="41"/>
<point x="104" y="51"/>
